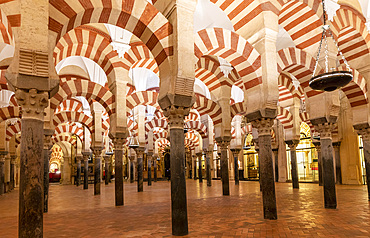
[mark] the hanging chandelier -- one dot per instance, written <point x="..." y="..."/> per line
<point x="329" y="81"/>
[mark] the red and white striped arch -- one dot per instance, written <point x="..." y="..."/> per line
<point x="163" y="142"/>
<point x="356" y="90"/>
<point x="305" y="118"/>
<point x="300" y="64"/>
<point x="138" y="17"/>
<point x="206" y="106"/>
<point x="72" y="128"/>
<point x="197" y="126"/>
<point x="139" y="56"/>
<point x="287" y="90"/>
<point x="158" y="134"/>
<point x="237" y="109"/>
<point x="353" y="36"/>
<point x="161" y="123"/>
<point x="90" y="43"/>
<point x="303" y="21"/>
<point x="13" y="129"/>
<point x="64" y="138"/>
<point x="247" y="14"/>
<point x="89" y="90"/>
<point x="285" y="117"/>
<point x="147" y="98"/>
<point x="9" y="112"/>
<point x="70" y="104"/>
<point x="6" y="35"/>
<point x="233" y="48"/>
<point x="208" y="71"/>
<point x="193" y="116"/>
<point x="64" y="117"/>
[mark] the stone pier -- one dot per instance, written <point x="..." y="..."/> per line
<point x="118" y="142"/>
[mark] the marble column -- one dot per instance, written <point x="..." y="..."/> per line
<point x="264" y="126"/>
<point x="276" y="157"/>
<point x="194" y="166"/>
<point x="47" y="152"/>
<point x="365" y="133"/>
<point x="118" y="180"/>
<point x="208" y="168"/>
<point x="236" y="165"/>
<point x="149" y="157"/>
<point x="106" y="169"/>
<point x="223" y="143"/>
<point x="293" y="161"/>
<point x="86" y="156"/>
<point x="97" y="179"/>
<point x="78" y="175"/>
<point x="327" y="164"/>
<point x="12" y="171"/>
<point x="200" y="175"/>
<point x="140" y="153"/>
<point x="319" y="162"/>
<point x="132" y="175"/>
<point x="2" y="171"/>
<point x="155" y="168"/>
<point x="338" y="170"/>
<point x="176" y="116"/>
<point x="31" y="189"/>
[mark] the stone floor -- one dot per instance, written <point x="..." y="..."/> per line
<point x="75" y="212"/>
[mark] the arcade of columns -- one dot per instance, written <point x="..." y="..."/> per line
<point x="46" y="108"/>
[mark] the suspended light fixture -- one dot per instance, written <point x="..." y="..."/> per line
<point x="329" y="81"/>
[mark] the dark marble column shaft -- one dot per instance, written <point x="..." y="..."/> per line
<point x="236" y="165"/>
<point x="140" y="177"/>
<point x="106" y="169"/>
<point x="118" y="167"/>
<point x="178" y="182"/>
<point x="97" y="169"/>
<point x="149" y="169"/>
<point x="276" y="155"/>
<point x="132" y="179"/>
<point x="200" y="167"/>
<point x="223" y="144"/>
<point x="12" y="172"/>
<point x="195" y="167"/>
<point x="155" y="168"/>
<point x="338" y="170"/>
<point x="2" y="172"/>
<point x="78" y="179"/>
<point x="208" y="168"/>
<point x="86" y="169"/>
<point x="47" y="153"/>
<point x="293" y="161"/>
<point x="319" y="162"/>
<point x="328" y="173"/>
<point x="31" y="189"/>
<point x="367" y="163"/>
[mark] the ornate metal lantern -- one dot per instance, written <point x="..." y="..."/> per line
<point x="329" y="81"/>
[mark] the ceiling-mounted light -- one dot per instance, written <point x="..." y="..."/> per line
<point x="329" y="81"/>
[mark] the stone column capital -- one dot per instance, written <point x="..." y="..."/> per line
<point x="149" y="154"/>
<point x="336" y="144"/>
<point x="235" y="151"/>
<point x="119" y="143"/>
<point x="176" y="116"/>
<point x="140" y="151"/>
<point x="2" y="156"/>
<point x="223" y="142"/>
<point x="79" y="158"/>
<point x="365" y="134"/>
<point x="107" y="158"/>
<point x="263" y="126"/>
<point x="325" y="130"/>
<point x="292" y="144"/>
<point x="33" y="103"/>
<point x="199" y="154"/>
<point x="47" y="142"/>
<point x="97" y="150"/>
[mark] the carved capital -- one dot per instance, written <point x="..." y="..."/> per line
<point x="365" y="134"/>
<point x="140" y="151"/>
<point x="47" y="142"/>
<point x="292" y="144"/>
<point x="107" y="158"/>
<point x="33" y="103"/>
<point x="235" y="151"/>
<point x="119" y="143"/>
<point x="325" y="130"/>
<point x="223" y="143"/>
<point x="336" y="144"/>
<point x="263" y="126"/>
<point x="2" y="156"/>
<point x="97" y="151"/>
<point x="176" y="116"/>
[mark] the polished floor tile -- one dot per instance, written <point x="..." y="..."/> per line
<point x="74" y="212"/>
